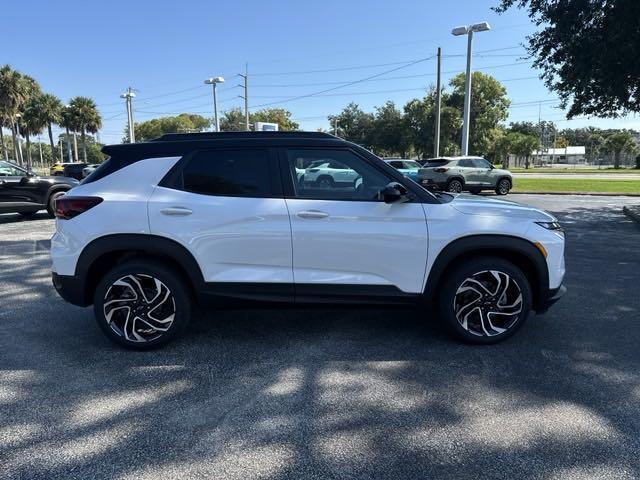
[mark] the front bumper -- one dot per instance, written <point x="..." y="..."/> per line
<point x="70" y="288"/>
<point x="552" y="296"/>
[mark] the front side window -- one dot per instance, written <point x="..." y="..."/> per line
<point x="481" y="163"/>
<point x="8" y="170"/>
<point x="355" y="179"/>
<point x="240" y="172"/>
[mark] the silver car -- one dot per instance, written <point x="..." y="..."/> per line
<point x="457" y="174"/>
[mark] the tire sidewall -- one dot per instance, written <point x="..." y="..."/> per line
<point x="452" y="181"/>
<point x="455" y="278"/>
<point x="166" y="275"/>
<point x="51" y="202"/>
<point x="498" y="186"/>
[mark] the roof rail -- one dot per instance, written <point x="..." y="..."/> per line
<point x="177" y="137"/>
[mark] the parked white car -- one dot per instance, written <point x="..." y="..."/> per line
<point x="202" y="218"/>
<point x="330" y="173"/>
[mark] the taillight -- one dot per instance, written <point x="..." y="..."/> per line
<point x="441" y="169"/>
<point x="68" y="207"/>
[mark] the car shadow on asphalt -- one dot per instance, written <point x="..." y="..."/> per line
<point x="333" y="392"/>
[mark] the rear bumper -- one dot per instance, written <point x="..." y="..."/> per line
<point x="552" y="296"/>
<point x="70" y="288"/>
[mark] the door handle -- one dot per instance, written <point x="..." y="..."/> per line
<point x="176" y="211"/>
<point x="312" y="214"/>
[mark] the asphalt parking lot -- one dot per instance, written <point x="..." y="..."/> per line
<point x="329" y="394"/>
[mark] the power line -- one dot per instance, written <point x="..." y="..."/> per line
<point x="371" y="77"/>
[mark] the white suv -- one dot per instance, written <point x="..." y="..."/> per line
<point x="206" y="218"/>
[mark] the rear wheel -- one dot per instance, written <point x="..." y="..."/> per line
<point x="142" y="304"/>
<point x="324" y="182"/>
<point x="503" y="187"/>
<point x="485" y="300"/>
<point x="51" y="203"/>
<point x="455" y="186"/>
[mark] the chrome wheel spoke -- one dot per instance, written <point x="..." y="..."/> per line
<point x="488" y="303"/>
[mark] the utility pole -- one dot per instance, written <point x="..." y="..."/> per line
<point x="246" y="96"/>
<point x="436" y="140"/>
<point x="128" y="96"/>
<point x="61" y="157"/>
<point x="335" y="127"/>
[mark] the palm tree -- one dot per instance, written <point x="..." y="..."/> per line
<point x="48" y="108"/>
<point x="31" y="124"/>
<point x="86" y="118"/>
<point x="67" y="121"/>
<point x="15" y="89"/>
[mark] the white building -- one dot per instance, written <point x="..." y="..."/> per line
<point x="567" y="155"/>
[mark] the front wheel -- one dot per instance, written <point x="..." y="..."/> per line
<point x="142" y="304"/>
<point x="503" y="187"/>
<point x="485" y="300"/>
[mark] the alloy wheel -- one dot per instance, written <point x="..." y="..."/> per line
<point x="503" y="187"/>
<point x="488" y="303"/>
<point x="455" y="186"/>
<point x="139" y="308"/>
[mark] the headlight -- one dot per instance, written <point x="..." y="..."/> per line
<point x="551" y="226"/>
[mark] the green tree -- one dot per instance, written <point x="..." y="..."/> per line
<point x="618" y="143"/>
<point x="489" y="104"/>
<point x="86" y="117"/>
<point x="353" y="124"/>
<point x="275" y="115"/>
<point x="232" y="120"/>
<point x="420" y="122"/>
<point x="390" y="135"/>
<point x="183" y="123"/>
<point x="31" y="124"/>
<point x="15" y="90"/>
<point x="48" y="108"/>
<point x="523" y="145"/>
<point x="587" y="51"/>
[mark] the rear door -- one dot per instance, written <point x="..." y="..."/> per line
<point x="344" y="237"/>
<point x="469" y="171"/>
<point x="226" y="207"/>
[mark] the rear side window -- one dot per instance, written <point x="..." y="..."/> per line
<point x="240" y="172"/>
<point x="435" y="163"/>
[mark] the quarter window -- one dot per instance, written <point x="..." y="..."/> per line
<point x="241" y="172"/>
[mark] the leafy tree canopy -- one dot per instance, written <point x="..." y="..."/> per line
<point x="185" y="122"/>
<point x="233" y="120"/>
<point x="587" y="51"/>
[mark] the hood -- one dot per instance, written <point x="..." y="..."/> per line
<point x="477" y="205"/>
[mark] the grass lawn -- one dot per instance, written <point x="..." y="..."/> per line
<point x="575" y="185"/>
<point x="575" y="170"/>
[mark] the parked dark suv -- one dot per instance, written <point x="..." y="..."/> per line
<point x="74" y="170"/>
<point x="26" y="193"/>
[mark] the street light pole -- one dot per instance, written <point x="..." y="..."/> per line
<point x="476" y="27"/>
<point x="213" y="82"/>
<point x="436" y="142"/>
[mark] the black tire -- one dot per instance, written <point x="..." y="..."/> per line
<point x="455" y="185"/>
<point x="456" y="299"/>
<point x="28" y="214"/>
<point x="324" y="181"/>
<point x="51" y="202"/>
<point x="112" y="287"/>
<point x="503" y="186"/>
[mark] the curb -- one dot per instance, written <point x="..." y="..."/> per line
<point x="632" y="212"/>
<point x="595" y="194"/>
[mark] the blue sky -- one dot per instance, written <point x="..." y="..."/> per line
<point x="165" y="50"/>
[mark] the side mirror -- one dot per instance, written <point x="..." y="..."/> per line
<point x="491" y="167"/>
<point x="394" y="192"/>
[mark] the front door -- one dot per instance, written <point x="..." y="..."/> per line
<point x="15" y="188"/>
<point x="345" y="235"/>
